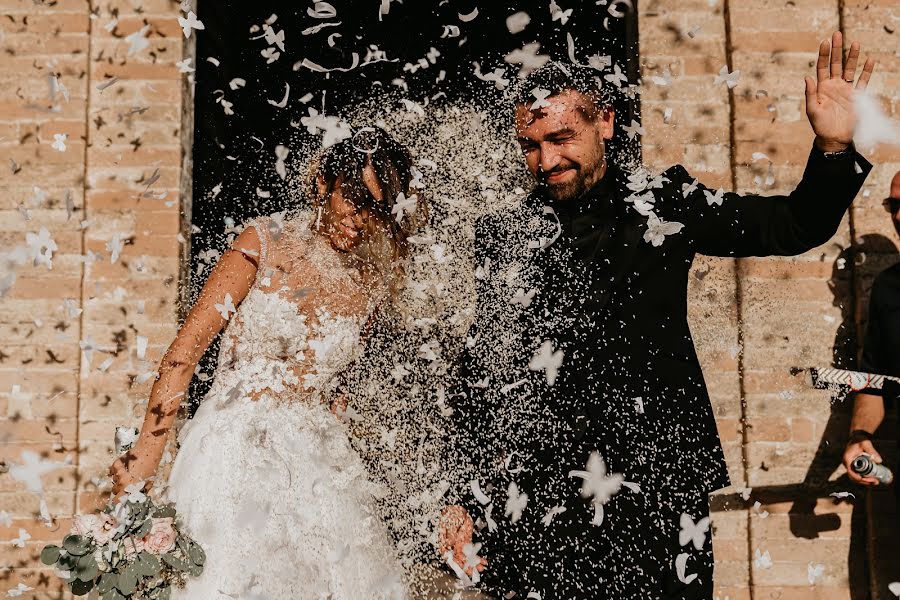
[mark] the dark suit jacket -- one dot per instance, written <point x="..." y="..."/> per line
<point x="630" y="386"/>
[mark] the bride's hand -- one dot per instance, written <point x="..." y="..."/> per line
<point x="132" y="467"/>
<point x="455" y="529"/>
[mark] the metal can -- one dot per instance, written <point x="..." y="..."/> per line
<point x="864" y="466"/>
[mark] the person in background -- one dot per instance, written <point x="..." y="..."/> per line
<point x="880" y="355"/>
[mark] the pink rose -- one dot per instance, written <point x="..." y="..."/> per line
<point x="133" y="546"/>
<point x="162" y="536"/>
<point x="100" y="527"/>
<point x="85" y="525"/>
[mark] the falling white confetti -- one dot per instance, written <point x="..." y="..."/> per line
<point x="227" y="308"/>
<point x="517" y="22"/>
<point x="617" y="77"/>
<point x="693" y="532"/>
<point x="714" y="198"/>
<point x="19" y="542"/>
<point x="541" y="98"/>
<point x="137" y="41"/>
<point x="558" y="14"/>
<point x="681" y="566"/>
<point x="283" y="102"/>
<point x="281" y="153"/>
<point x="59" y="142"/>
<point x="597" y="484"/>
<point x="515" y="502"/>
<point x="41" y="247"/>
<point x="548" y="361"/>
<point x="184" y="66"/>
<point x="322" y="10"/>
<point x="468" y="17"/>
<point x="729" y="79"/>
<point x="527" y="56"/>
<point x="190" y="23"/>
<point x="814" y="572"/>
<point x="19" y="590"/>
<point x="762" y="561"/>
<point x="32" y="468"/>
<point x="404" y="205"/>
<point x="115" y="246"/>
<point x="658" y="229"/>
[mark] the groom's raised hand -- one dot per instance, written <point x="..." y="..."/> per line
<point x="829" y="97"/>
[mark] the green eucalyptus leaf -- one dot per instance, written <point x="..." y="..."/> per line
<point x="77" y="545"/>
<point x="196" y="554"/>
<point x="195" y="570"/>
<point x="164" y="511"/>
<point x="166" y="593"/>
<point x="127" y="580"/>
<point x="174" y="562"/>
<point x="67" y="561"/>
<point x="113" y="594"/>
<point x="80" y="588"/>
<point x="147" y="564"/>
<point x="87" y="568"/>
<point x="107" y="582"/>
<point x="50" y="554"/>
<point x="144" y="529"/>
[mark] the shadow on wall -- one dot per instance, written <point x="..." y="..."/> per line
<point x="871" y="561"/>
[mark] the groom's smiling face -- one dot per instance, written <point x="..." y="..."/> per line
<point x="564" y="143"/>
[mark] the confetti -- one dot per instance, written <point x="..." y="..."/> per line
<point x="729" y="79"/>
<point x="59" y="141"/>
<point x="515" y="502"/>
<point x="227" y="308"/>
<point x="190" y="23"/>
<point x="517" y="22"/>
<point x="681" y="567"/>
<point x="468" y="17"/>
<point x="658" y="229"/>
<point x="137" y="40"/>
<point x="548" y="361"/>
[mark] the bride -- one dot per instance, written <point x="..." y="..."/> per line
<point x="265" y="478"/>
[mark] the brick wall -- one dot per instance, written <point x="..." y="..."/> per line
<point x="119" y="133"/>
<point x="69" y="367"/>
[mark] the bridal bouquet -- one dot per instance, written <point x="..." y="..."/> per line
<point x="131" y="549"/>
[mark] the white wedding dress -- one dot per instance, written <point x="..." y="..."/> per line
<point x="265" y="478"/>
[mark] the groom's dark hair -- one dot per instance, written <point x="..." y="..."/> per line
<point x="557" y="77"/>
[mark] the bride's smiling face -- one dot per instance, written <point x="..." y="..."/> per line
<point x="343" y="222"/>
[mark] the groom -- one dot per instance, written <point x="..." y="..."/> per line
<point x="585" y="423"/>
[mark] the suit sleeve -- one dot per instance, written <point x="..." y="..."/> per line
<point x="753" y="225"/>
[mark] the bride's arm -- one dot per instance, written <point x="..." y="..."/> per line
<point x="233" y="274"/>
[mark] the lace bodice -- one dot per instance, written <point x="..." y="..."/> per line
<point x="302" y="321"/>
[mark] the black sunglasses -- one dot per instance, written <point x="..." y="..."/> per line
<point x="891" y="205"/>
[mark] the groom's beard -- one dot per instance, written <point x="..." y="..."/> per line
<point x="586" y="177"/>
<point x="568" y="190"/>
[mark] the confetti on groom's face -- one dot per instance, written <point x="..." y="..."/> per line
<point x="563" y="141"/>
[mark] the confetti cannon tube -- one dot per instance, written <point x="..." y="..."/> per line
<point x="856" y="380"/>
<point x="864" y="466"/>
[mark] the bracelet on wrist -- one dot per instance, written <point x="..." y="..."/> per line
<point x="858" y="435"/>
